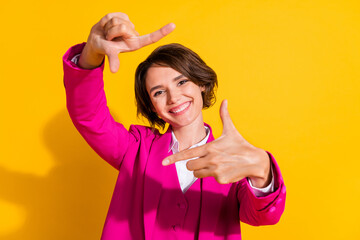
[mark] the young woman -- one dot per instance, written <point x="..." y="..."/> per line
<point x="212" y="185"/>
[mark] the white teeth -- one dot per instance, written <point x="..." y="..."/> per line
<point x="182" y="108"/>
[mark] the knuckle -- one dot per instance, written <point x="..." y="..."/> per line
<point x="218" y="179"/>
<point x="130" y="26"/>
<point x="107" y="17"/>
<point x="211" y="148"/>
<point x="189" y="165"/>
<point x="222" y="180"/>
<point x="122" y="28"/>
<point x="217" y="172"/>
<point x="213" y="159"/>
<point x="115" y="21"/>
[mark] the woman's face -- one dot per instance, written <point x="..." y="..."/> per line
<point x="176" y="99"/>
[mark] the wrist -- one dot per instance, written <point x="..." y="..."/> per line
<point x="89" y="59"/>
<point x="261" y="182"/>
<point x="263" y="175"/>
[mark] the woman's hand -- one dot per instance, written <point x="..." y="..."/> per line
<point x="229" y="158"/>
<point x="114" y="34"/>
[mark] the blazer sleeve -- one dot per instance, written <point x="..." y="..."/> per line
<point x="265" y="210"/>
<point x="87" y="107"/>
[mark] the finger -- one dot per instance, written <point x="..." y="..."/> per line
<point x="228" y="125"/>
<point x="109" y="16"/>
<point x="186" y="154"/>
<point x="111" y="23"/>
<point x="198" y="163"/>
<point x="157" y="35"/>
<point x="113" y="20"/>
<point x="114" y="62"/>
<point x="122" y="30"/>
<point x="202" y="173"/>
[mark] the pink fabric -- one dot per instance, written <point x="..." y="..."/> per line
<point x="177" y="213"/>
<point x="137" y="153"/>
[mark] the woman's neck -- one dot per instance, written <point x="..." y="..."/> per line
<point x="190" y="134"/>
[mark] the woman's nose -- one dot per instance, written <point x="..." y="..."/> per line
<point x="173" y="96"/>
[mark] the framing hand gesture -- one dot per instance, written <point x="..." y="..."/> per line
<point x="114" y="34"/>
<point x="229" y="158"/>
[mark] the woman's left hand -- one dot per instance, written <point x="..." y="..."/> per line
<point x="228" y="158"/>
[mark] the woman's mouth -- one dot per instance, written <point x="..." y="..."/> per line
<point x="180" y="109"/>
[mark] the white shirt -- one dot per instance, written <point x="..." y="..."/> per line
<point x="186" y="177"/>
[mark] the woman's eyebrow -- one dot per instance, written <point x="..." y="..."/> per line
<point x="178" y="77"/>
<point x="154" y="88"/>
<point x="160" y="86"/>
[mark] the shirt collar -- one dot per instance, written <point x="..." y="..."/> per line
<point x="174" y="145"/>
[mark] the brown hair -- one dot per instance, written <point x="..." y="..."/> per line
<point x="183" y="60"/>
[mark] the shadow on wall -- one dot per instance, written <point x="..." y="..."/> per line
<point x="71" y="202"/>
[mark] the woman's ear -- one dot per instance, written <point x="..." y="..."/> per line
<point x="202" y="88"/>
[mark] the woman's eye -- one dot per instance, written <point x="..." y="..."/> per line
<point x="183" y="81"/>
<point x="157" y="93"/>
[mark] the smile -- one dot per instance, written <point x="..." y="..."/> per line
<point x="180" y="109"/>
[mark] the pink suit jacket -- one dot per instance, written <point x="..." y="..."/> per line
<point x="137" y="154"/>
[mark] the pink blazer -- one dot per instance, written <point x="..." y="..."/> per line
<point x="137" y="154"/>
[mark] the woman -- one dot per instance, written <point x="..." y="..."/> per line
<point x="202" y="198"/>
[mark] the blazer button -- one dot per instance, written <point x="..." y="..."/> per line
<point x="278" y="201"/>
<point x="181" y="205"/>
<point x="272" y="209"/>
<point x="176" y="227"/>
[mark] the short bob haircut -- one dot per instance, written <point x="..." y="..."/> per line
<point x="183" y="60"/>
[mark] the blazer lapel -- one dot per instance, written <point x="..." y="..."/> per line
<point x="153" y="180"/>
<point x="212" y="192"/>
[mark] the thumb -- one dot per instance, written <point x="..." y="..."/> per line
<point x="228" y="125"/>
<point x="114" y="62"/>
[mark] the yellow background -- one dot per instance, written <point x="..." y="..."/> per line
<point x="290" y="70"/>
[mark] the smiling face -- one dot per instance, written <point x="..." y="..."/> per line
<point x="176" y="99"/>
<point x="181" y="60"/>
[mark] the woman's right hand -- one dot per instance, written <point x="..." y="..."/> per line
<point x="115" y="34"/>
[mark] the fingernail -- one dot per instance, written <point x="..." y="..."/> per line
<point x="165" y="162"/>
